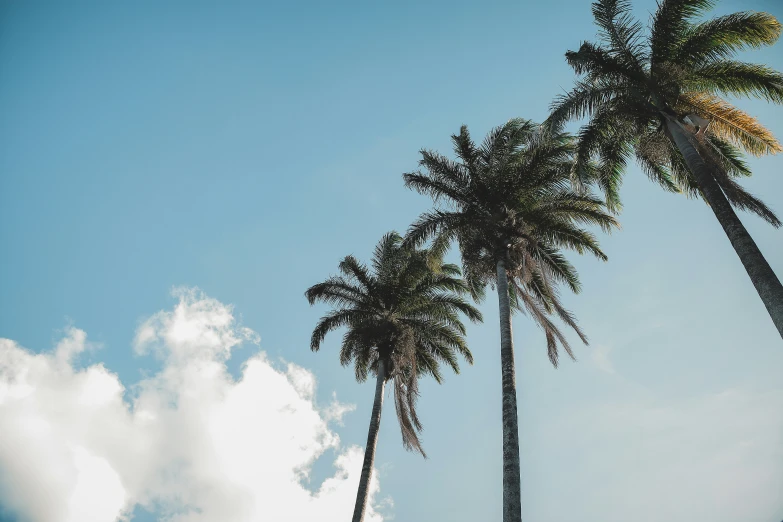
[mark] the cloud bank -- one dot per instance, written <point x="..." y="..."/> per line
<point x="193" y="445"/>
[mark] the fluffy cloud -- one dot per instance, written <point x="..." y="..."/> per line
<point x="194" y="444"/>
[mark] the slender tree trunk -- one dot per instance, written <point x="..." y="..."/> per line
<point x="372" y="442"/>
<point x="512" y="488"/>
<point x="761" y="274"/>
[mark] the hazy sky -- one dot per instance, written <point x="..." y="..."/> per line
<point x="243" y="149"/>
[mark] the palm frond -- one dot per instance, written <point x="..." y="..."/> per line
<point x="724" y="36"/>
<point x="551" y="331"/>
<point x="406" y="394"/>
<point x="731" y="124"/>
<point x="442" y="350"/>
<point x="431" y="224"/>
<point x="670" y="25"/>
<point x="464" y="148"/>
<point x="583" y="209"/>
<point x="730" y="158"/>
<point x="565" y="235"/>
<point x="337" y="292"/>
<point x="622" y="32"/>
<point x="554" y="262"/>
<point x="437" y="250"/>
<point x="738" y="79"/>
<point x="501" y="140"/>
<point x="447" y="304"/>
<point x="427" y="364"/>
<point x="356" y="271"/>
<point x="596" y="62"/>
<point x="744" y="200"/>
<point x="580" y="102"/>
<point x="431" y="186"/>
<point x="612" y="159"/>
<point x="442" y="169"/>
<point x="653" y="164"/>
<point x="333" y="321"/>
<point x="723" y="163"/>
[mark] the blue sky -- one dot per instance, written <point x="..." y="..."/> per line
<point x="244" y="148"/>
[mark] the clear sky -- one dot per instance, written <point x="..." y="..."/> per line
<point x="244" y="148"/>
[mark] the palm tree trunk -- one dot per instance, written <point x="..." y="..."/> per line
<point x="761" y="274"/>
<point x="512" y="488"/>
<point x="372" y="442"/>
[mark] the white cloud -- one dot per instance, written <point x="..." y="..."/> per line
<point x="195" y="445"/>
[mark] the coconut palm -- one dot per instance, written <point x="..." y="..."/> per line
<point x="660" y="98"/>
<point x="510" y="206"/>
<point x="402" y="321"/>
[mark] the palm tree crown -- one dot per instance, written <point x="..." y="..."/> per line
<point x="403" y="311"/>
<point x="659" y="97"/>
<point x="511" y="200"/>
<point x="632" y="83"/>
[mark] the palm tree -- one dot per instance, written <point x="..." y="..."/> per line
<point x="658" y="97"/>
<point x="511" y="208"/>
<point x="402" y="320"/>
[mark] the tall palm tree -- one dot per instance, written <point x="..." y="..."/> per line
<point x="510" y="207"/>
<point x="659" y="97"/>
<point x="402" y="321"/>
